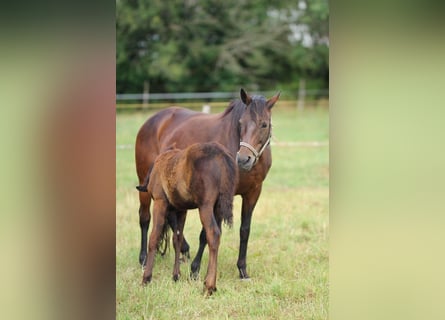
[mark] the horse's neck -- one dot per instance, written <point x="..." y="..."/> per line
<point x="229" y="133"/>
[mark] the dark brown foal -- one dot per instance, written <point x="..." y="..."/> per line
<point x="201" y="176"/>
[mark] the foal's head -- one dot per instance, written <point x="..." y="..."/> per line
<point x="255" y="128"/>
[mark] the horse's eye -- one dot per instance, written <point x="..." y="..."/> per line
<point x="264" y="125"/>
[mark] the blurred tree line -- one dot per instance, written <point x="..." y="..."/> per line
<point x="213" y="45"/>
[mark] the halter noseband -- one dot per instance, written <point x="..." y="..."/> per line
<point x="257" y="154"/>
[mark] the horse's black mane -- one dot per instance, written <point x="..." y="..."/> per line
<point x="236" y="108"/>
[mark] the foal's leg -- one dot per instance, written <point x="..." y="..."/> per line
<point x="185" y="248"/>
<point x="196" y="264"/>
<point x="177" y="241"/>
<point x="159" y="212"/>
<point x="213" y="234"/>
<point x="144" y="223"/>
<point x="249" y="202"/>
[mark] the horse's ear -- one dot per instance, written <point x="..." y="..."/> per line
<point x="245" y="97"/>
<point x="272" y="100"/>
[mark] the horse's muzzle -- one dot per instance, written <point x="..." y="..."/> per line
<point x="245" y="162"/>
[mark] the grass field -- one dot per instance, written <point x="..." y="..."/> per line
<point x="287" y="255"/>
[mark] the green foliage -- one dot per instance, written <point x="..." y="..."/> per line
<point x="211" y="45"/>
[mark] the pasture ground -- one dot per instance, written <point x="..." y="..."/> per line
<point x="287" y="255"/>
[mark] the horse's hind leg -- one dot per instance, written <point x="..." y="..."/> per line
<point x="185" y="248"/>
<point x="144" y="223"/>
<point x="196" y="264"/>
<point x="177" y="241"/>
<point x="159" y="213"/>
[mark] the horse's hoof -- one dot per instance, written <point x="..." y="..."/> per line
<point x="142" y="259"/>
<point x="194" y="268"/>
<point x="243" y="274"/>
<point x="175" y="277"/>
<point x="194" y="275"/>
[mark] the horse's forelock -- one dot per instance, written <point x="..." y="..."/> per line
<point x="261" y="99"/>
<point x="258" y="106"/>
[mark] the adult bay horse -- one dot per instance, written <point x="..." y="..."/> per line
<point x="244" y="128"/>
<point x="201" y="176"/>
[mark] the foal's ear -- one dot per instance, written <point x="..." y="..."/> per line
<point x="272" y="100"/>
<point x="245" y="97"/>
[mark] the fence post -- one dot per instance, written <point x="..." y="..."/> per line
<point x="301" y="94"/>
<point x="206" y="108"/>
<point x="146" y="94"/>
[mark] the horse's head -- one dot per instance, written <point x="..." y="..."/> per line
<point x="255" y="128"/>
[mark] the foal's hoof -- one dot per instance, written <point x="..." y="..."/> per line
<point x="146" y="280"/>
<point x="209" y="291"/>
<point x="175" y="277"/>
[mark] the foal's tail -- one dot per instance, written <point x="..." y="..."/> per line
<point x="143" y="186"/>
<point x="163" y="243"/>
<point x="224" y="205"/>
<point x="224" y="208"/>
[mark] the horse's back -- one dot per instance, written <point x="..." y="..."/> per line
<point x="153" y="132"/>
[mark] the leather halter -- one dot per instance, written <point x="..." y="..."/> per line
<point x="257" y="154"/>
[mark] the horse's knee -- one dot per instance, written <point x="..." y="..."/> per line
<point x="244" y="232"/>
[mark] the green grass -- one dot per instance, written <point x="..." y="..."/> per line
<point x="287" y="255"/>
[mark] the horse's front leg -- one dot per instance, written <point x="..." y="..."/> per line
<point x="249" y="202"/>
<point x="144" y="223"/>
